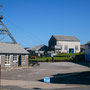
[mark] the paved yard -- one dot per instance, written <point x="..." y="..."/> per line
<point x="64" y="75"/>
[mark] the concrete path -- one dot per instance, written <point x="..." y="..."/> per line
<point x="36" y="84"/>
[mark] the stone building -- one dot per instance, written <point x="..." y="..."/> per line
<point x="12" y="55"/>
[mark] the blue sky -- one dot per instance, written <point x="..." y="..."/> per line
<point x="32" y="22"/>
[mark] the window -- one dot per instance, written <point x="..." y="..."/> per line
<point x="65" y="47"/>
<point x="0" y="59"/>
<point x="76" y="47"/>
<point x="58" y="47"/>
<point x="15" y="58"/>
<point x="7" y="59"/>
<point x="61" y="47"/>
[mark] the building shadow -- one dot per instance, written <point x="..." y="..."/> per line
<point x="82" y="78"/>
<point x="84" y="63"/>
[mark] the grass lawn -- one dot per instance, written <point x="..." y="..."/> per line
<point x="43" y="59"/>
<point x="68" y="54"/>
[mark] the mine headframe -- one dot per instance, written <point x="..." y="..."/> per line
<point x="3" y="28"/>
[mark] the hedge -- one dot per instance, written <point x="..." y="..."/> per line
<point x="43" y="59"/>
<point x="68" y="54"/>
<point x="59" y="57"/>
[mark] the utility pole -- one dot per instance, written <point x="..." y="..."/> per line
<point x="3" y="28"/>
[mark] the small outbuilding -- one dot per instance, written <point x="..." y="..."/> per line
<point x="12" y="55"/>
<point x="39" y="51"/>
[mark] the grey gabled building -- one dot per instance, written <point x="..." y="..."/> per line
<point x="39" y="50"/>
<point x="12" y="55"/>
<point x="64" y="44"/>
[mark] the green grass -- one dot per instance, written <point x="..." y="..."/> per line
<point x="49" y="58"/>
<point x="68" y="54"/>
<point x="63" y="56"/>
<point x="40" y="59"/>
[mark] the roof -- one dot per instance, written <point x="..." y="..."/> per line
<point x="36" y="48"/>
<point x="66" y="38"/>
<point x="11" y="48"/>
<point x="88" y="43"/>
<point x="82" y="46"/>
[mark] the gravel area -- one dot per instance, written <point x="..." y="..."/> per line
<point x="62" y="74"/>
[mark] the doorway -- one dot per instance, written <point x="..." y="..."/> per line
<point x="19" y="61"/>
<point x="71" y="50"/>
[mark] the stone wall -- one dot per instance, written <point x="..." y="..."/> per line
<point x="24" y="61"/>
<point x="2" y="61"/>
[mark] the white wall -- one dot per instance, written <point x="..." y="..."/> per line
<point x="70" y="45"/>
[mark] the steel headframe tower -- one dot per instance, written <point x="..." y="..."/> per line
<point x="3" y="28"/>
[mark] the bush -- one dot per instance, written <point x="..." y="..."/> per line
<point x="78" y="57"/>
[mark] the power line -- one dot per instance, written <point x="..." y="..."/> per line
<point x="37" y="40"/>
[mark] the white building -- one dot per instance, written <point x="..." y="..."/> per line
<point x="87" y="51"/>
<point x="64" y="44"/>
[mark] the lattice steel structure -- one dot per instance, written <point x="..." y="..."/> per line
<point x="3" y="29"/>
